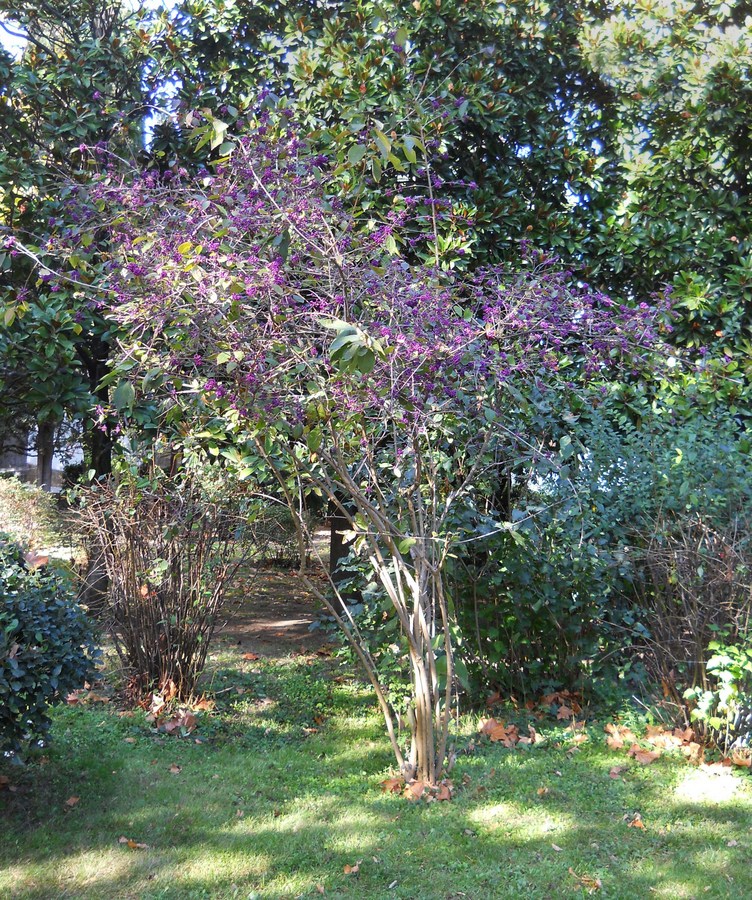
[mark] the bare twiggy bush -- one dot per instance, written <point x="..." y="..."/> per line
<point x="695" y="581"/>
<point x="170" y="549"/>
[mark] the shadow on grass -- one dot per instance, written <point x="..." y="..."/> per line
<point x="282" y="820"/>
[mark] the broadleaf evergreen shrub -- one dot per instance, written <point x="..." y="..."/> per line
<point x="47" y="647"/>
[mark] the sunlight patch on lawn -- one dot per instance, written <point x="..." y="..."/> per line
<point x="702" y="786"/>
<point x="208" y="864"/>
<point x="527" y="823"/>
<point x="76" y="872"/>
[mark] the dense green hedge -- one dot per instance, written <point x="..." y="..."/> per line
<point x="46" y="647"/>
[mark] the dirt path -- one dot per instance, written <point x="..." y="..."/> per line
<point x="271" y="611"/>
<point x="272" y="615"/>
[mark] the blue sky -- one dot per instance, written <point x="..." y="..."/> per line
<point x="13" y="45"/>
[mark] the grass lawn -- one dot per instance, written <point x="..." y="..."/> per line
<point x="277" y="791"/>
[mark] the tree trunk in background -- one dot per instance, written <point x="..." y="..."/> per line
<point x="338" y="550"/>
<point x="45" y="453"/>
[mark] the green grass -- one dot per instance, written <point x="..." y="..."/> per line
<point x="262" y="807"/>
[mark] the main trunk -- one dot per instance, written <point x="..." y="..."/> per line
<point x="424" y="750"/>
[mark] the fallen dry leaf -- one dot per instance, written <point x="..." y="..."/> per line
<point x="618" y="735"/>
<point x="562" y="698"/>
<point x="739" y="760"/>
<point x="693" y="751"/>
<point x="488" y="725"/>
<point x="732" y="843"/>
<point x="130" y="740"/>
<point x="183" y="723"/>
<point x="498" y="732"/>
<point x="72" y="801"/>
<point x="644" y="757"/>
<point x="661" y="738"/>
<point x="131" y="844"/>
<point x="590" y="884"/>
<point x="4" y="781"/>
<point x="353" y="870"/>
<point x="320" y="888"/>
<point x="542" y="791"/>
<point x="414" y="790"/>
<point x="615" y="771"/>
<point x="250" y="656"/>
<point x="175" y="769"/>
<point x="557" y="848"/>
<point x="392" y="785"/>
<point x="636" y="822"/>
<point x="444" y="792"/>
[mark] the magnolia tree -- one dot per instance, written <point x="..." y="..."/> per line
<point x="304" y="355"/>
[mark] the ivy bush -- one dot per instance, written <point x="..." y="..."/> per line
<point x="46" y="647"/>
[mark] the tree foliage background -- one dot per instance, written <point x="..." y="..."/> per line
<point x="615" y="136"/>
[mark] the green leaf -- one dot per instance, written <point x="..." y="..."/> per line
<point x="124" y="396"/>
<point x="383" y="142"/>
<point x="314" y="439"/>
<point x="356" y="153"/>
<point x="405" y="544"/>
